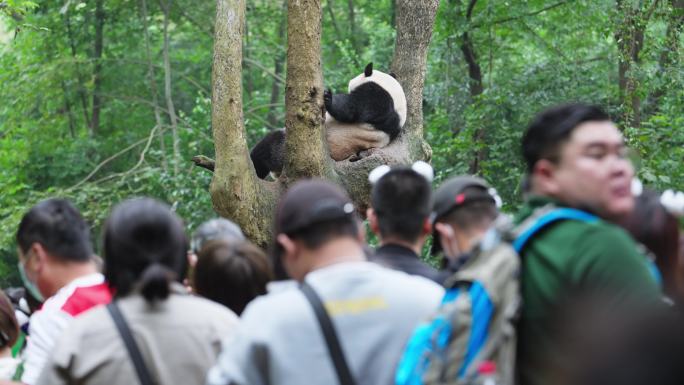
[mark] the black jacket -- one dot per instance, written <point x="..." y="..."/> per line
<point x="404" y="259"/>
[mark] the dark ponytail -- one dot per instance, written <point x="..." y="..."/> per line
<point x="155" y="281"/>
<point x="145" y="248"/>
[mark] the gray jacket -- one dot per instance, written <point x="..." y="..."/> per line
<point x="374" y="310"/>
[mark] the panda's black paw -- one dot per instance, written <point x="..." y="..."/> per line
<point x="328" y="98"/>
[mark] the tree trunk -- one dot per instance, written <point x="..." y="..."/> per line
<point x="415" y="20"/>
<point x="307" y="154"/>
<point x="67" y="110"/>
<point x="668" y="53"/>
<point x="236" y="192"/>
<point x="167" y="89"/>
<point x="249" y="83"/>
<point x="97" y="71"/>
<point x="272" y="117"/>
<point x="353" y="38"/>
<point x="79" y="78"/>
<point x="153" y="85"/>
<point x="630" y="41"/>
<point x="475" y="87"/>
<point x="470" y="55"/>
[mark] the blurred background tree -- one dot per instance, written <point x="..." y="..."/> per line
<point x="102" y="100"/>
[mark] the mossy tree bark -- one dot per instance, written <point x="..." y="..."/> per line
<point x="306" y="150"/>
<point x="415" y="20"/>
<point x="236" y="191"/>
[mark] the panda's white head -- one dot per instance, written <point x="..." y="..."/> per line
<point x="389" y="83"/>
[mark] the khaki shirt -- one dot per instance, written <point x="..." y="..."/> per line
<point x="179" y="339"/>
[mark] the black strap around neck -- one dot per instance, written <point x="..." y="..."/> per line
<point x="131" y="346"/>
<point x="343" y="373"/>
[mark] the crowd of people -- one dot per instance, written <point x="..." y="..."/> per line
<point x="582" y="286"/>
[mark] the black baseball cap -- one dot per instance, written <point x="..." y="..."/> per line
<point x="311" y="202"/>
<point x="451" y="195"/>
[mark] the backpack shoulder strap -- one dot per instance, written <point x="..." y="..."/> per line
<point x="133" y="350"/>
<point x="543" y="217"/>
<point x="334" y="348"/>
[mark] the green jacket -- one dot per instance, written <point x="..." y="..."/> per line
<point x="564" y="258"/>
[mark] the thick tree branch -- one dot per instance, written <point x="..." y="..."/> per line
<point x="278" y="62"/>
<point x="152" y="80"/>
<point x="306" y="149"/>
<point x="470" y="56"/>
<point x="415" y="20"/>
<point x="97" y="70"/>
<point x="168" y="89"/>
<point x="204" y="162"/>
<point x="235" y="191"/>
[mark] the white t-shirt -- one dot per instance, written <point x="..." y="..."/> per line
<point x="48" y="323"/>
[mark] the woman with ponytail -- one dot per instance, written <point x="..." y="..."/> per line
<point x="153" y="332"/>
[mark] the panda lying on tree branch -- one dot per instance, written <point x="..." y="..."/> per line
<point x="371" y="115"/>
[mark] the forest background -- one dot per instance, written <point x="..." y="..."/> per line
<point x="104" y="100"/>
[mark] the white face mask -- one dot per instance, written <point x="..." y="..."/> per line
<point x="30" y="286"/>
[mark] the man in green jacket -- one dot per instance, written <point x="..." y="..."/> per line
<point x="576" y="158"/>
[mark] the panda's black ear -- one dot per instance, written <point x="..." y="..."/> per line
<point x="392" y="74"/>
<point x="369" y="70"/>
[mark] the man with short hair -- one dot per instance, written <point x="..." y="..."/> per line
<point x="373" y="309"/>
<point x="576" y="158"/>
<point x="211" y="230"/>
<point x="56" y="263"/>
<point x="464" y="211"/>
<point x="400" y="216"/>
<point x="215" y="229"/>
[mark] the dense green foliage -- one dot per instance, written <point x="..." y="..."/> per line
<point x="81" y="82"/>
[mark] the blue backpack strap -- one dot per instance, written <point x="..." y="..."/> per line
<point x="565" y="213"/>
<point x="551" y="216"/>
<point x="482" y="311"/>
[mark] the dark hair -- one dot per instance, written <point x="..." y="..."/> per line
<point x="401" y="200"/>
<point x="144" y="244"/>
<point x="9" y="327"/>
<point x="231" y="274"/>
<point x="551" y="128"/>
<point x="314" y="236"/>
<point x="58" y="226"/>
<point x="477" y="210"/>
<point x="472" y="213"/>
<point x="654" y="227"/>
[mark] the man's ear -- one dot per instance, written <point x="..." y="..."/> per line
<point x="544" y="177"/>
<point x="40" y="255"/>
<point x="361" y="234"/>
<point x="427" y="226"/>
<point x="446" y="236"/>
<point x="289" y="246"/>
<point x="373" y="221"/>
<point x="444" y="230"/>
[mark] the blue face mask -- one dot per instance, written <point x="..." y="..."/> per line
<point x="30" y="286"/>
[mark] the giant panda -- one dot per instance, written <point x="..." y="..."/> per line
<point x="371" y="115"/>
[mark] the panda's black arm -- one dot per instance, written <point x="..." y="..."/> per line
<point x="342" y="107"/>
<point x="387" y="123"/>
<point x="267" y="155"/>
